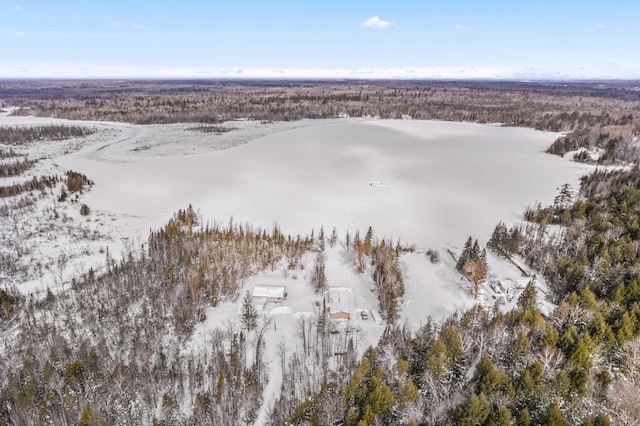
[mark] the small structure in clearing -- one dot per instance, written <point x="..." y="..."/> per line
<point x="269" y="293"/>
<point x="339" y="302"/>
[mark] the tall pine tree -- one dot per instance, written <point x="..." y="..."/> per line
<point x="248" y="312"/>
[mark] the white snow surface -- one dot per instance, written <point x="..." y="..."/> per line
<point x="301" y="303"/>
<point x="437" y="182"/>
<point x="428" y="183"/>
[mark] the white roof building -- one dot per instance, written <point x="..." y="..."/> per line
<point x="270" y="292"/>
<point x="339" y="302"/>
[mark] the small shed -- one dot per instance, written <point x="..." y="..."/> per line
<point x="339" y="302"/>
<point x="270" y="293"/>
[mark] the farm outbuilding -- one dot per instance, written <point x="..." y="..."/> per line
<point x="339" y="302"/>
<point x="270" y="293"/>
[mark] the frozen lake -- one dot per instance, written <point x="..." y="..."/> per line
<point x="427" y="182"/>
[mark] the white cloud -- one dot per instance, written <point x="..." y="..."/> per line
<point x="116" y="24"/>
<point x="602" y="27"/>
<point x="18" y="8"/>
<point x="139" y="26"/>
<point x="19" y="33"/>
<point x="461" y="27"/>
<point x="376" y="22"/>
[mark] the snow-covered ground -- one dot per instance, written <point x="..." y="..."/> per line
<point x="436" y="183"/>
<point x="431" y="184"/>
<point x="56" y="243"/>
<point x="428" y="183"/>
<point x="301" y="303"/>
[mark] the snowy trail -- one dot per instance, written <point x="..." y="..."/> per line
<point x="130" y="133"/>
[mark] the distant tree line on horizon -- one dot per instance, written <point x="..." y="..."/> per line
<point x="541" y="105"/>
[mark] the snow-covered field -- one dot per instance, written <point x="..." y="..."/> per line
<point x="431" y="184"/>
<point x="428" y="183"/>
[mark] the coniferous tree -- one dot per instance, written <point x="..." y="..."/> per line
<point x="319" y="277"/>
<point x="554" y="416"/>
<point x="483" y="258"/>
<point x="475" y="251"/>
<point x="321" y="239"/>
<point x="248" y="312"/>
<point x="465" y="255"/>
<point x="564" y="197"/>
<point x="528" y="299"/>
<point x="475" y="412"/>
<point x="498" y="238"/>
<point x="368" y="241"/>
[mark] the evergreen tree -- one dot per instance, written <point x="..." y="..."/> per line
<point x="524" y="419"/>
<point x="517" y="353"/>
<point x="475" y="251"/>
<point x="368" y="242"/>
<point x="248" y="312"/>
<point x="528" y="299"/>
<point x="322" y="318"/>
<point x="475" y="412"/>
<point x="321" y="239"/>
<point x="319" y="277"/>
<point x="514" y="240"/>
<point x="554" y="416"/>
<point x="498" y="239"/>
<point x="465" y="255"/>
<point x="564" y="198"/>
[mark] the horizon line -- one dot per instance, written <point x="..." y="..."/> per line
<point x="237" y="78"/>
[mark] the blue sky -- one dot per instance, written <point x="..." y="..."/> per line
<point x="284" y="38"/>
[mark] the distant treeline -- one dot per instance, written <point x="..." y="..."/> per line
<point x="542" y="105"/>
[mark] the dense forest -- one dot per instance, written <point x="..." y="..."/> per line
<point x="553" y="106"/>
<point x="117" y="346"/>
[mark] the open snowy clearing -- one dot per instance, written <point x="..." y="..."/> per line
<point x="54" y="242"/>
<point x="432" y="184"/>
<point x="428" y="183"/>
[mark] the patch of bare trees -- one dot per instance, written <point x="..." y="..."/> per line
<point x="21" y="135"/>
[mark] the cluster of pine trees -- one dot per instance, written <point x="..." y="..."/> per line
<point x="609" y="141"/>
<point x="505" y="242"/>
<point x="472" y="263"/>
<point x="385" y="269"/>
<point x="481" y="367"/>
